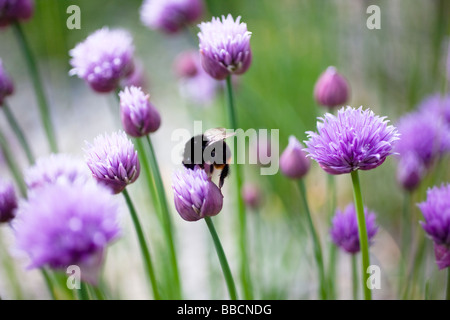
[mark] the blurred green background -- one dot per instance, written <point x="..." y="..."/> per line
<point x="389" y="70"/>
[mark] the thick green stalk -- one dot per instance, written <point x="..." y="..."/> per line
<point x="83" y="293"/>
<point x="362" y="231"/>
<point x="316" y="242"/>
<point x="167" y="222"/>
<point x="143" y="245"/>
<point x="38" y="87"/>
<point x="223" y="259"/>
<point x="245" y="266"/>
<point x="12" y="164"/>
<point x="354" y="277"/>
<point x="18" y="132"/>
<point x="48" y="283"/>
<point x="332" y="250"/>
<point x="406" y="241"/>
<point x="145" y="170"/>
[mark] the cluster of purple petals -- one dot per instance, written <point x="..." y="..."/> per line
<point x="355" y="139"/>
<point x="344" y="230"/>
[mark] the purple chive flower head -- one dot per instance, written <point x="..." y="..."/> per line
<point x="103" y="59"/>
<point x="293" y="161"/>
<point x="438" y="105"/>
<point x="67" y="224"/>
<point x="186" y="64"/>
<point x="139" y="116"/>
<point x="425" y="134"/>
<point x="6" y="84"/>
<point x="195" y="195"/>
<point x="331" y="89"/>
<point x="225" y="47"/>
<point x="113" y="160"/>
<point x="251" y="195"/>
<point x="344" y="230"/>
<point x="14" y="10"/>
<point x="442" y="254"/>
<point x="410" y="171"/>
<point x="356" y="139"/>
<point x="436" y="211"/>
<point x="54" y="169"/>
<point x="8" y="201"/>
<point x="170" y="16"/>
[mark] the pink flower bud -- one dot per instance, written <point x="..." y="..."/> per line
<point x="332" y="89"/>
<point x="293" y="161"/>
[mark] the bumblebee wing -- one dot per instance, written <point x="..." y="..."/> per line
<point x="217" y="134"/>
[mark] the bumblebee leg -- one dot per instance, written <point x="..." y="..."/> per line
<point x="223" y="174"/>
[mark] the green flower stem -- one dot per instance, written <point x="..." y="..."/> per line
<point x="83" y="293"/>
<point x="447" y="293"/>
<point x="316" y="242"/>
<point x="362" y="231"/>
<point x="354" y="277"/>
<point x="18" y="132"/>
<point x="48" y="283"/>
<point x="145" y="170"/>
<point x="143" y="245"/>
<point x="245" y="266"/>
<point x="223" y="259"/>
<point x="12" y="164"/>
<point x="155" y="186"/>
<point x="332" y="251"/>
<point x="167" y="223"/>
<point x="10" y="271"/>
<point x="38" y="87"/>
<point x="406" y="240"/>
<point x="98" y="292"/>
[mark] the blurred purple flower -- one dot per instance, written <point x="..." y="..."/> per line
<point x="139" y="116"/>
<point x="194" y="83"/>
<point x="56" y="168"/>
<point x="438" y="105"/>
<point x="344" y="230"/>
<point x="293" y="161"/>
<point x="442" y="254"/>
<point x="66" y="224"/>
<point x="356" y="139"/>
<point x="170" y="16"/>
<point x="331" y="89"/>
<point x="6" y="84"/>
<point x="14" y="10"/>
<point x="113" y="160"/>
<point x="103" y="59"/>
<point x="8" y="201"/>
<point x="187" y="64"/>
<point x="436" y="211"/>
<point x="425" y="134"/>
<point x="195" y="195"/>
<point x="251" y="195"/>
<point x="410" y="171"/>
<point x="225" y="47"/>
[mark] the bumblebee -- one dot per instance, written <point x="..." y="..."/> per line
<point x="209" y="151"/>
